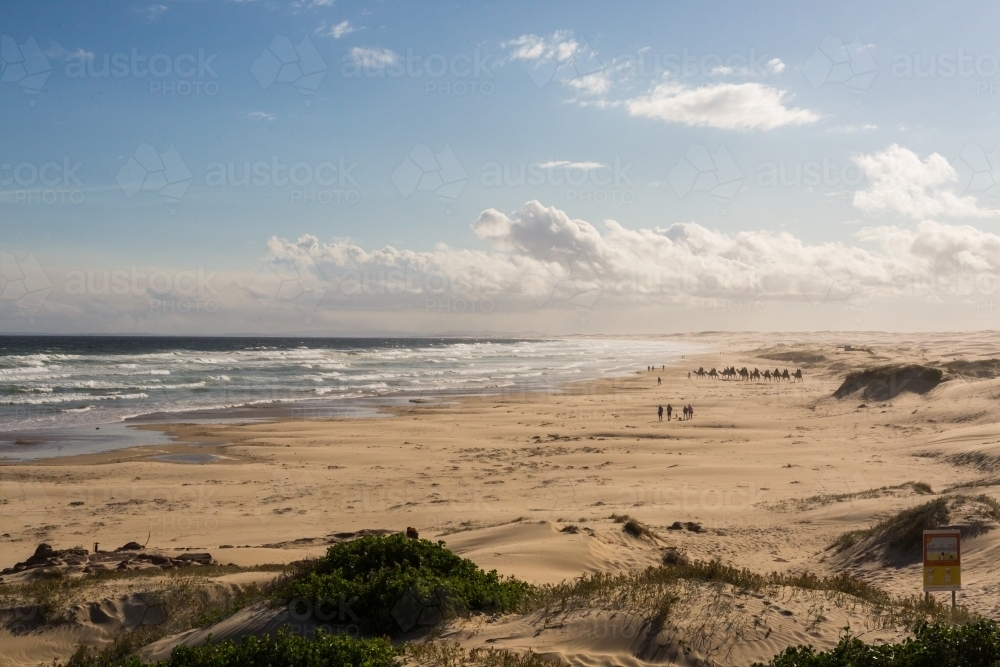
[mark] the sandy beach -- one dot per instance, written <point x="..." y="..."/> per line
<point x="771" y="473"/>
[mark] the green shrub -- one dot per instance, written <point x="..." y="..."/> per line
<point x="391" y="584"/>
<point x="286" y="650"/>
<point x="971" y="645"/>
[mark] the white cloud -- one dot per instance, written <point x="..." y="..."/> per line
<point x="262" y="115"/>
<point x="335" y="31"/>
<point x="372" y="58"/>
<point x="740" y="106"/>
<point x="56" y="50"/>
<point x="308" y="4"/>
<point x="566" y="164"/>
<point x="154" y="11"/>
<point x="902" y="183"/>
<point x="560" y="47"/>
<point x="595" y="83"/>
<point x="775" y="65"/>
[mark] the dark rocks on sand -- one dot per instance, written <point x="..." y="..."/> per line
<point x="689" y="525"/>
<point x="412" y="533"/>
<point x="673" y="557"/>
<point x="131" y="556"/>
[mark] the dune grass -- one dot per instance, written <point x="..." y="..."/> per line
<point x="903" y="532"/>
<point x="50" y="595"/>
<point x="443" y="654"/>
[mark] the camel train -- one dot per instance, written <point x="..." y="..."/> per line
<point x="733" y="373"/>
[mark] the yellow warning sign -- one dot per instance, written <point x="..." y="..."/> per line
<point x="942" y="560"/>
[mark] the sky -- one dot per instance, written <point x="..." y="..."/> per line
<point x="331" y="167"/>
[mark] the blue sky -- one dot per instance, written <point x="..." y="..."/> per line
<point x="849" y="130"/>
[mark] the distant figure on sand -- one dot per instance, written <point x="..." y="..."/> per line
<point x="659" y="381"/>
<point x="689" y="375"/>
<point x="690" y="412"/>
<point x="670" y="410"/>
<point x="659" y="412"/>
<point x="685" y="413"/>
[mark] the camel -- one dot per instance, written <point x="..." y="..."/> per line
<point x="767" y="375"/>
<point x="713" y="374"/>
<point x="700" y="372"/>
<point x="784" y="375"/>
<point x="755" y="375"/>
<point x="744" y="373"/>
<point x="798" y="375"/>
<point x="776" y="374"/>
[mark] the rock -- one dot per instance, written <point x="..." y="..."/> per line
<point x="131" y="546"/>
<point x="693" y="527"/>
<point x="673" y="557"/>
<point x="412" y="533"/>
<point x="43" y="550"/>
<point x="571" y="529"/>
<point x="195" y="559"/>
<point x="676" y="525"/>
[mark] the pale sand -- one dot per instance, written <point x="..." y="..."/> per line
<point x="496" y="477"/>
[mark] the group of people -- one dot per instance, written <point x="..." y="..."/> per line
<point x="688" y="412"/>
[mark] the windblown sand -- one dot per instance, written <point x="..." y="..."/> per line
<point x="773" y="472"/>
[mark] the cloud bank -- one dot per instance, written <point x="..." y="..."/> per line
<point x="540" y="256"/>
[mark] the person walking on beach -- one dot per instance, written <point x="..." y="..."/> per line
<point x="670" y="410"/>
<point x="659" y="412"/>
<point x="690" y="412"/>
<point x="659" y="381"/>
<point x="685" y="413"/>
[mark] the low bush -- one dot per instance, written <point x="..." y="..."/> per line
<point x="391" y="584"/>
<point x="974" y="644"/>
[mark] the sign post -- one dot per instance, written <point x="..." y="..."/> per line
<point x="943" y="561"/>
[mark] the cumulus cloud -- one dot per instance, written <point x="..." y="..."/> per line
<point x="371" y="58"/>
<point x="730" y="106"/>
<point x="903" y="183"/>
<point x="536" y="252"/>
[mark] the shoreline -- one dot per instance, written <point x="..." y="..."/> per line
<point x="378" y="406"/>
<point x="185" y="439"/>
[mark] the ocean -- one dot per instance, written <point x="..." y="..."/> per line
<point x="56" y="392"/>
